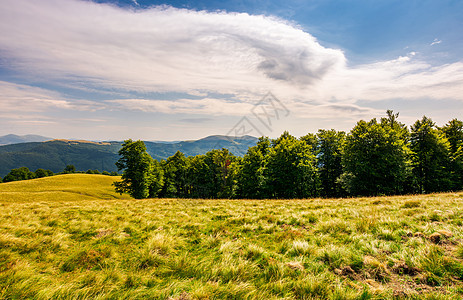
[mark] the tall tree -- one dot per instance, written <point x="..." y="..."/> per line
<point x="137" y="167"/>
<point x="453" y="131"/>
<point x="374" y="160"/>
<point x="430" y="157"/>
<point x="291" y="169"/>
<point x="176" y="170"/>
<point x="213" y="175"/>
<point x="250" y="177"/>
<point x="329" y="154"/>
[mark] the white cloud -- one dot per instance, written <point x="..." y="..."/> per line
<point x="163" y="49"/>
<point x="208" y="106"/>
<point x="20" y="98"/>
<point x="159" y="49"/>
<point x="435" y="42"/>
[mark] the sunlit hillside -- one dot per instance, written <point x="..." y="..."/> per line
<point x="61" y="187"/>
<point x="54" y="244"/>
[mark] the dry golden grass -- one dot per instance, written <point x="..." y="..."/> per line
<point x="54" y="243"/>
<point x="61" y="187"/>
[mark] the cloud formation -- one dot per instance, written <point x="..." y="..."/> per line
<point x="164" y="49"/>
<point x="26" y="99"/>
<point x="159" y="49"/>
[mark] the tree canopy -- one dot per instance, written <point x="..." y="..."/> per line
<point x="375" y="158"/>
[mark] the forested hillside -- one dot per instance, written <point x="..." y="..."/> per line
<point x="377" y="157"/>
<point x="15" y="139"/>
<point x="56" y="154"/>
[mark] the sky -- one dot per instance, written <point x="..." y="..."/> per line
<point x="182" y="70"/>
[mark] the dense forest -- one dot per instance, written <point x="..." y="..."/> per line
<point x="378" y="157"/>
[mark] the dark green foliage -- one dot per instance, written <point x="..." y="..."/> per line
<point x="290" y="169"/>
<point x="156" y="178"/>
<point x="22" y="173"/>
<point x="212" y="175"/>
<point x="141" y="178"/>
<point x="176" y="176"/>
<point x="374" y="159"/>
<point x="430" y="157"/>
<point x="93" y="171"/>
<point x="39" y="173"/>
<point x="55" y="155"/>
<point x="250" y="178"/>
<point x="329" y="152"/>
<point x="453" y="131"/>
<point x="69" y="169"/>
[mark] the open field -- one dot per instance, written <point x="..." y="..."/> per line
<point x="71" y="236"/>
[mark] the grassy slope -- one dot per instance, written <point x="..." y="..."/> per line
<point x="377" y="248"/>
<point x="61" y="187"/>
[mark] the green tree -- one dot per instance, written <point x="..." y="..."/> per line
<point x="212" y="175"/>
<point x="201" y="179"/>
<point x="89" y="171"/>
<point x="290" y="170"/>
<point x="329" y="154"/>
<point x="176" y="169"/>
<point x="69" y="169"/>
<point x="311" y="139"/>
<point x="39" y="173"/>
<point x="374" y="160"/>
<point x="137" y="166"/>
<point x="430" y="157"/>
<point x="250" y="174"/>
<point x="225" y="172"/>
<point x="22" y="173"/>
<point x="453" y="131"/>
<point x="156" y="178"/>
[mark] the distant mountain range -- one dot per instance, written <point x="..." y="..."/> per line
<point x="54" y="155"/>
<point x="15" y="139"/>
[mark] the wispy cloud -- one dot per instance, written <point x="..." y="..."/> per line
<point x="205" y="106"/>
<point x="131" y="51"/>
<point x="22" y="98"/>
<point x="195" y="120"/>
<point x="435" y="42"/>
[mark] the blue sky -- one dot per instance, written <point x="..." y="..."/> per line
<point x="154" y="70"/>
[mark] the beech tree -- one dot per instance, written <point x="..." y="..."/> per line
<point x="453" y="131"/>
<point x="213" y="174"/>
<point x="176" y="176"/>
<point x="329" y="154"/>
<point x="290" y="169"/>
<point x="374" y="160"/>
<point x="22" y="173"/>
<point x="250" y="178"/>
<point x="141" y="177"/>
<point x="430" y="157"/>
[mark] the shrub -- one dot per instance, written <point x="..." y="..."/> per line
<point x="22" y="173"/>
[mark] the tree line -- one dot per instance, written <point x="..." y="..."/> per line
<point x="377" y="157"/>
<point x="23" y="173"/>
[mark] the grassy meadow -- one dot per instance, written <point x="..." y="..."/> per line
<point x="72" y="237"/>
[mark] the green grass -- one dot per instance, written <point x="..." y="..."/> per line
<point x="72" y="237"/>
<point x="61" y="187"/>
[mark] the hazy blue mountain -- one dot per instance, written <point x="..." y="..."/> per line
<point x="56" y="154"/>
<point x="15" y="139"/>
